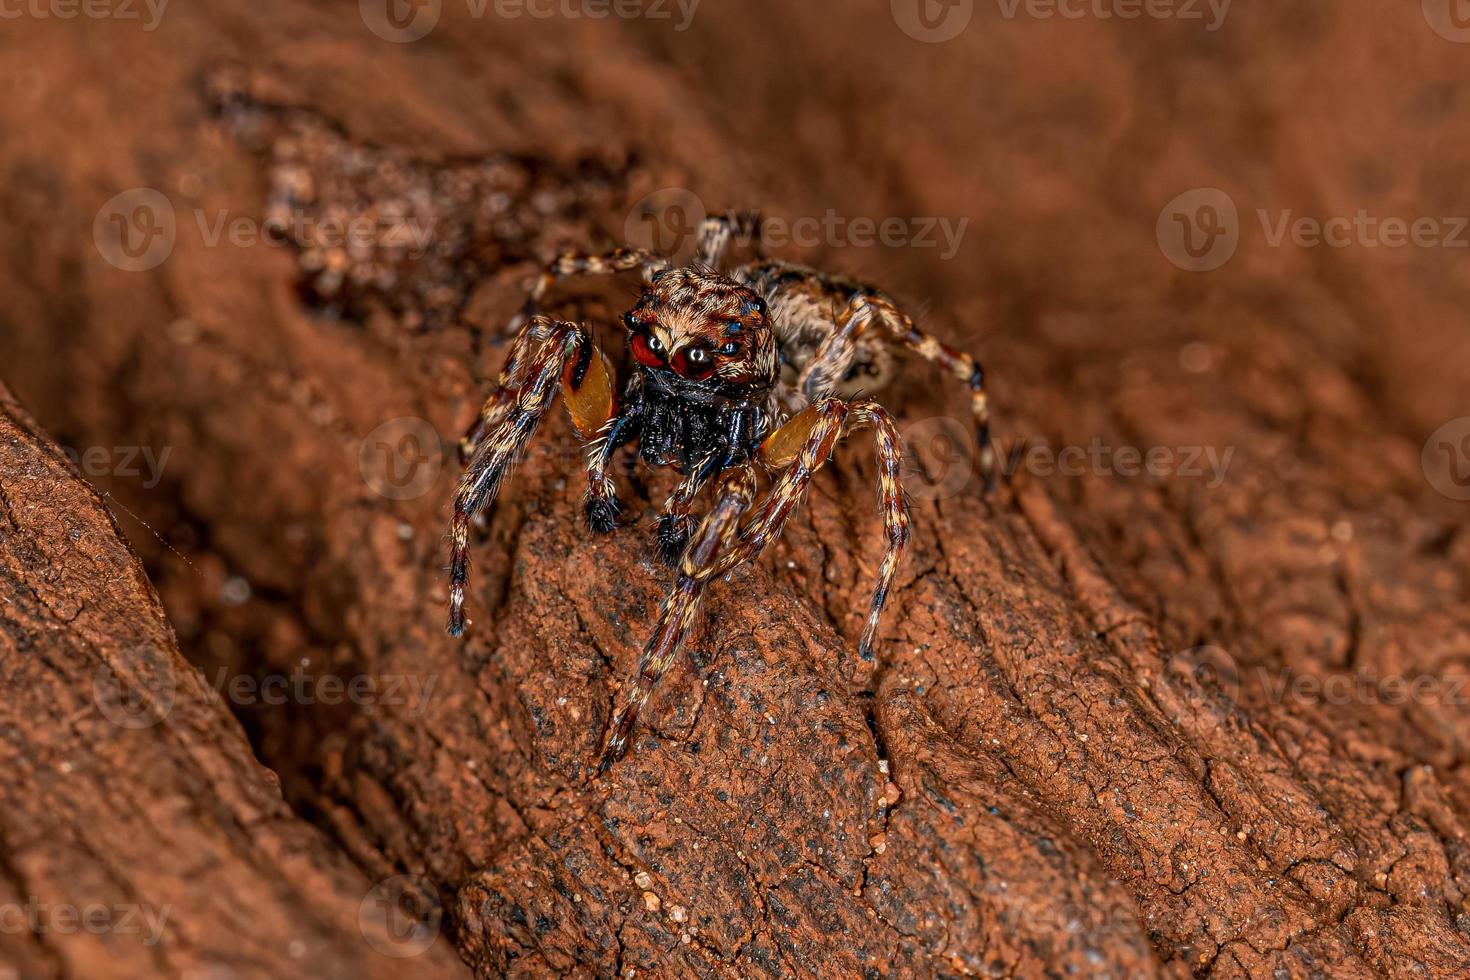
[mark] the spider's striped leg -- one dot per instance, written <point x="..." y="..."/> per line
<point x="675" y="526"/>
<point x="716" y="232"/>
<point x="570" y="264"/>
<point x="799" y="448"/>
<point x="831" y="361"/>
<point x="602" y="497"/>
<point x="503" y="398"/>
<point x="584" y="379"/>
<point x="676" y="616"/>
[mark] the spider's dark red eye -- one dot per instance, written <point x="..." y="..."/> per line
<point x="694" y="363"/>
<point x="648" y="350"/>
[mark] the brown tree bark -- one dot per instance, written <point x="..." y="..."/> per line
<point x="138" y="836"/>
<point x="1039" y="778"/>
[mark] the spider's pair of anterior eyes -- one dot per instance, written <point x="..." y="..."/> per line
<point x="695" y="361"/>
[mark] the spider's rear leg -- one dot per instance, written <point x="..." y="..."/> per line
<point x="549" y="354"/>
<point x="830" y="363"/>
<point x="718" y="231"/>
<point x="570" y="264"/>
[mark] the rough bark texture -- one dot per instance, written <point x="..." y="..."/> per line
<point x="1037" y="780"/>
<point x="138" y="836"/>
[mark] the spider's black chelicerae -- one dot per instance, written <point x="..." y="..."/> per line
<point x="736" y="375"/>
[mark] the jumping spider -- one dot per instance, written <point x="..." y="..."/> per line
<point x="735" y="375"/>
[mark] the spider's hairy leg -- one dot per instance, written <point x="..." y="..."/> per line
<point x="512" y="377"/>
<point x="602" y="498"/>
<point x="829" y="365"/>
<point x="550" y="362"/>
<point x="679" y="608"/>
<point x="799" y="448"/>
<point x="715" y="234"/>
<point x="676" y="525"/>
<point x="570" y="264"/>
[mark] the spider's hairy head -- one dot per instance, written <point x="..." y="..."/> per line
<point x="703" y="332"/>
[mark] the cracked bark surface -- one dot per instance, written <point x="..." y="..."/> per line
<point x="138" y="835"/>
<point x="1035" y="781"/>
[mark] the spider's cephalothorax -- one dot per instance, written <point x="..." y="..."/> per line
<point x="706" y="368"/>
<point x="736" y="377"/>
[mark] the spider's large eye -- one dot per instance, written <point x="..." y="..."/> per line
<point x="648" y="350"/>
<point x="695" y="363"/>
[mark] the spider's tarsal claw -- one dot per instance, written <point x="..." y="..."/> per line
<point x="617" y="745"/>
<point x="602" y="515"/>
<point x="865" y="652"/>
<point x="673" y="538"/>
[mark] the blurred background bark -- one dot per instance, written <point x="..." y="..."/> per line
<point x="1102" y="740"/>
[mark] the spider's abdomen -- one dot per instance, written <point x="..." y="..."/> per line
<point x="804" y="306"/>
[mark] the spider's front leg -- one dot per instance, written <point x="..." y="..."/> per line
<point x="676" y="525"/>
<point x="547" y="354"/>
<point x="512" y="378"/>
<point x="799" y="448"/>
<point x="676" y="616"/>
